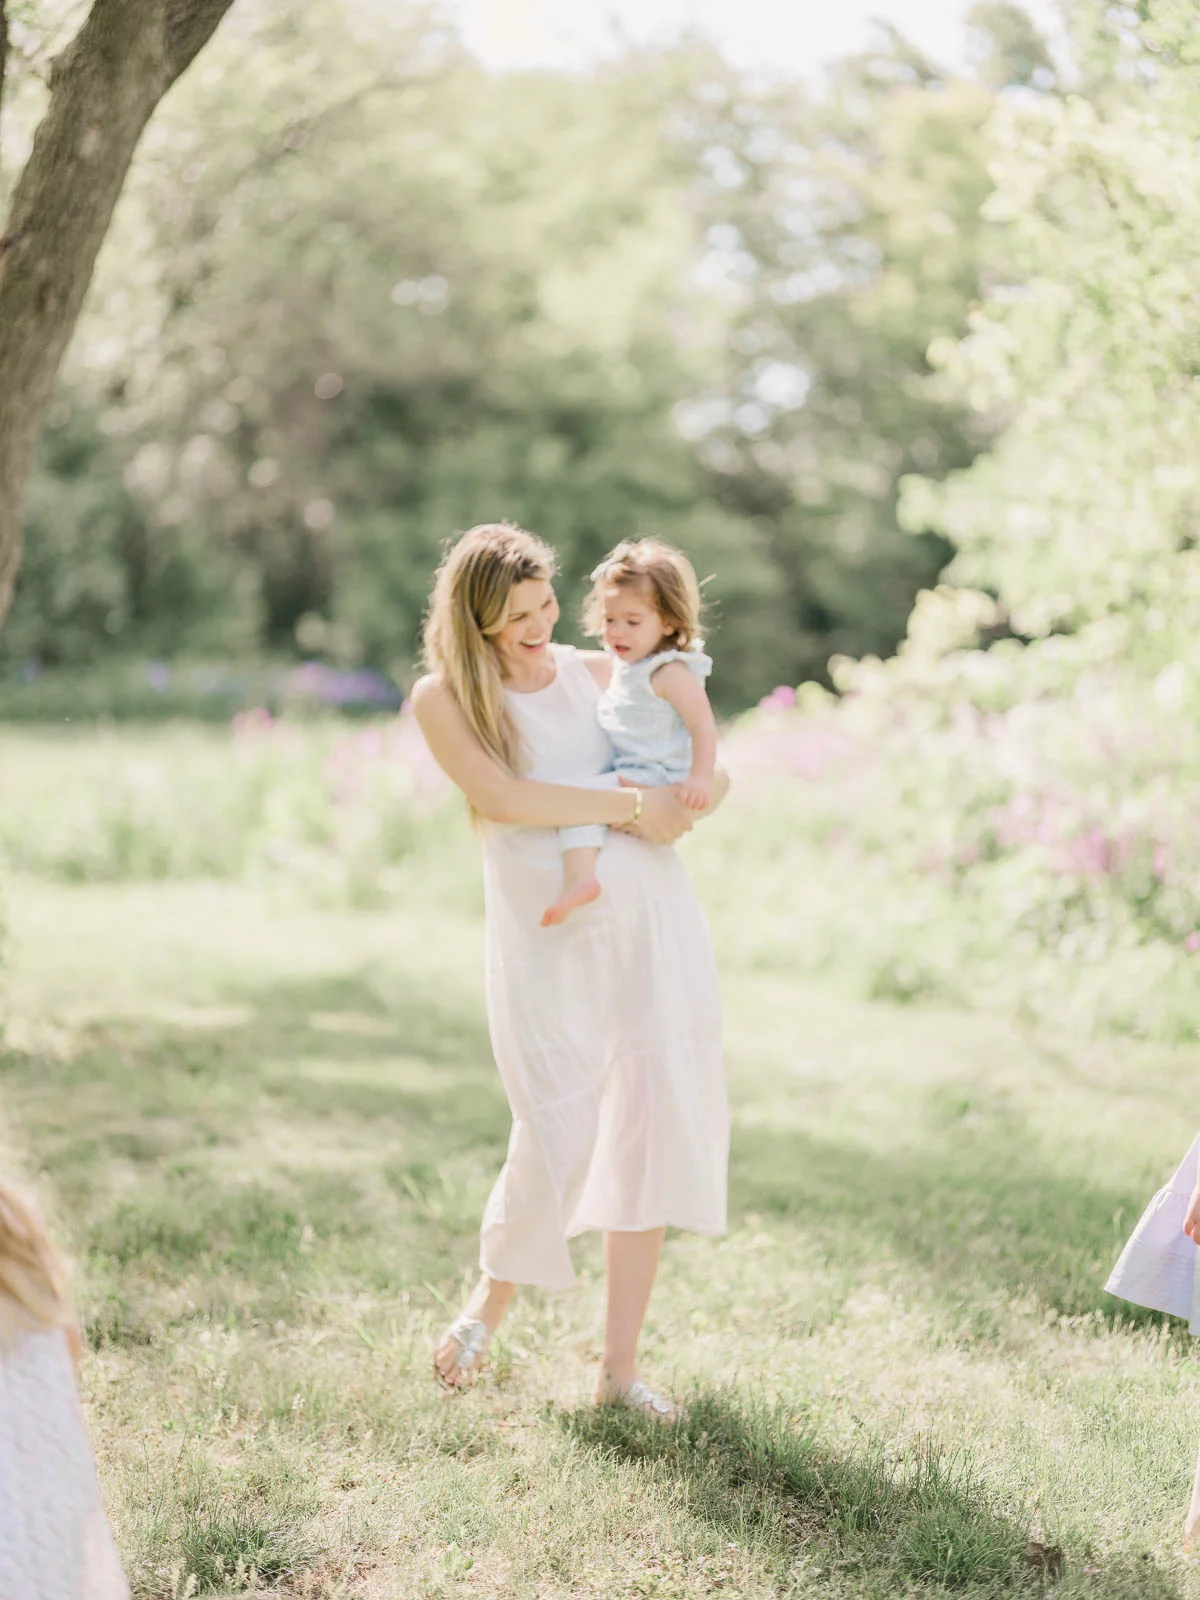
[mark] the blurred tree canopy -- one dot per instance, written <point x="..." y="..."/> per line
<point x="360" y="294"/>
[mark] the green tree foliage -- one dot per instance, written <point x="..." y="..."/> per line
<point x="849" y="233"/>
<point x="360" y="294"/>
<point x="1082" y="519"/>
<point x="1038" y="764"/>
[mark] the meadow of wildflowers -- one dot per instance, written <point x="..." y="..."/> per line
<point x="925" y="845"/>
<point x="330" y="808"/>
<point x="1041" y="854"/>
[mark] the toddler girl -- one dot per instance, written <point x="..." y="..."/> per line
<point x="645" y="605"/>
<point x="55" y="1542"/>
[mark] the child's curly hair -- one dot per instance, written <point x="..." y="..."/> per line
<point x="669" y="580"/>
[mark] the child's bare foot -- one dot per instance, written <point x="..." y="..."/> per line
<point x="573" y="896"/>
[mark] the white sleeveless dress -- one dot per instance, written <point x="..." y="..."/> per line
<point x="55" y="1542"/>
<point x="606" y="1029"/>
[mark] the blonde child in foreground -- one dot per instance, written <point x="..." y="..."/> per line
<point x="645" y="605"/>
<point x="1160" y="1268"/>
<point x="55" y="1542"/>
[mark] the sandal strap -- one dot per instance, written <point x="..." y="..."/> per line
<point x="643" y="1398"/>
<point x="473" y="1339"/>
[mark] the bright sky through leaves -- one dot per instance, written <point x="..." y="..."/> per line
<point x="793" y="36"/>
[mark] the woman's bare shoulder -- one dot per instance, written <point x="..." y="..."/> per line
<point x="598" y="663"/>
<point x="430" y="696"/>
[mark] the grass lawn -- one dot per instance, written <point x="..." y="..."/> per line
<point x="267" y="1131"/>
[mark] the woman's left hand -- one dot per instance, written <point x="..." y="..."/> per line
<point x="664" y="817"/>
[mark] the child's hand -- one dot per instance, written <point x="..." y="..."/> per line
<point x="1191" y="1223"/>
<point x="694" y="792"/>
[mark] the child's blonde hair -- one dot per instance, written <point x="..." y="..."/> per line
<point x="468" y="608"/>
<point x="669" y="579"/>
<point x="32" y="1273"/>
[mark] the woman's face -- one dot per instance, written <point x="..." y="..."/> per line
<point x="525" y="636"/>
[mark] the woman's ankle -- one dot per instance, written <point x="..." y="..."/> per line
<point x="489" y="1301"/>
<point x="616" y="1378"/>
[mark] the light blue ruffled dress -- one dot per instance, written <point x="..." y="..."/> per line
<point x="652" y="747"/>
<point x="1160" y="1266"/>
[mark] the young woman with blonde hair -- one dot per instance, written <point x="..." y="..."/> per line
<point x="606" y="1029"/>
<point x="55" y="1542"/>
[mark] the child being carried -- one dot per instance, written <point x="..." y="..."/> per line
<point x="645" y="605"/>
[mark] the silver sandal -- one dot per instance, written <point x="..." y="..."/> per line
<point x="473" y="1340"/>
<point x="641" y="1397"/>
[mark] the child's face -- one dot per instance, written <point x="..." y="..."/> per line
<point x="633" y="624"/>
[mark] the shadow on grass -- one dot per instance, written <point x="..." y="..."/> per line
<point x="308" y="1131"/>
<point x="982" y="1212"/>
<point x="328" y="1048"/>
<point x="756" y="1473"/>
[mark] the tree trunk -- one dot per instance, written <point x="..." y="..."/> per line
<point x="104" y="88"/>
<point x="3" y="48"/>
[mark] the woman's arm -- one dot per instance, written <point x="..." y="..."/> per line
<point x="500" y="797"/>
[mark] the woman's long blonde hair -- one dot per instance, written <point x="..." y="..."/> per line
<point x="468" y="608"/>
<point x="32" y="1273"/>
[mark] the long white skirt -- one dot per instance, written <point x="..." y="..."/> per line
<point x="55" y="1542"/>
<point x="607" y="1034"/>
<point x="1158" y="1266"/>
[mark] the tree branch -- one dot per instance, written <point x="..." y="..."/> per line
<point x="190" y="24"/>
<point x="3" y="48"/>
<point x="104" y="88"/>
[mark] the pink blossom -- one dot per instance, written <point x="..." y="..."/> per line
<point x="248" y="724"/>
<point x="780" y="699"/>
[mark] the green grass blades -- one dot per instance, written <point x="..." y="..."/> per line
<point x="267" y="1130"/>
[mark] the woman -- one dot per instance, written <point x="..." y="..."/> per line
<point x="606" y="1029"/>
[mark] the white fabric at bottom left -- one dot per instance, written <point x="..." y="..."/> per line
<point x="55" y="1541"/>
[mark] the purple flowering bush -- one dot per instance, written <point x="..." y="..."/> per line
<point x="1041" y="854"/>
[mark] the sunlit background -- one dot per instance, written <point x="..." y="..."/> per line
<point x="896" y="333"/>
<point x="798" y="37"/>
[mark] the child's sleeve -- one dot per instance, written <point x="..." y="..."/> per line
<point x="696" y="661"/>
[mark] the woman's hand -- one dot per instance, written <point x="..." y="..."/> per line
<point x="1191" y="1223"/>
<point x="664" y="817"/>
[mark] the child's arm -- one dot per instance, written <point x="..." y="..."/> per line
<point x="678" y="685"/>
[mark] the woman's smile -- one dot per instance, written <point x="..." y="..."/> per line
<point x="524" y="638"/>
